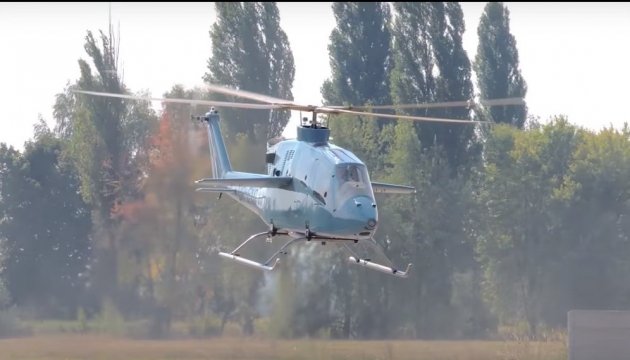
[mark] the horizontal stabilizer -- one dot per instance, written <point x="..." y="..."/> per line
<point x="215" y="190"/>
<point x="263" y="182"/>
<point x="392" y="189"/>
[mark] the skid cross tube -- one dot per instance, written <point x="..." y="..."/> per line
<point x="286" y="245"/>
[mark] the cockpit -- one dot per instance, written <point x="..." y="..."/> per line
<point x="352" y="173"/>
<point x="352" y="180"/>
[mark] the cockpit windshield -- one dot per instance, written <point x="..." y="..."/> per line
<point x="351" y="172"/>
<point x="352" y="180"/>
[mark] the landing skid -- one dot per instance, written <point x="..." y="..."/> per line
<point x="378" y="267"/>
<point x="391" y="270"/>
<point x="271" y="263"/>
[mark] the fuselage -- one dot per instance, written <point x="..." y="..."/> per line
<point x="331" y="193"/>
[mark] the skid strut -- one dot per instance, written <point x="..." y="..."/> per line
<point x="248" y="262"/>
<point x="234" y="255"/>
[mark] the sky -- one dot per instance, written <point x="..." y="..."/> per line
<point x="573" y="56"/>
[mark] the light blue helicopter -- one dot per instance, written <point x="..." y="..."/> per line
<point x="313" y="189"/>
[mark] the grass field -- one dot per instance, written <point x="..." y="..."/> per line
<point x="66" y="347"/>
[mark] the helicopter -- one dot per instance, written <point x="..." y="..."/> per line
<point x="313" y="189"/>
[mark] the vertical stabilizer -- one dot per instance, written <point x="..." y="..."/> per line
<point x="218" y="153"/>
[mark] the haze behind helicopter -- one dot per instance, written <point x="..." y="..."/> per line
<point x="571" y="54"/>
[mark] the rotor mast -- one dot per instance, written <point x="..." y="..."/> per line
<point x="313" y="133"/>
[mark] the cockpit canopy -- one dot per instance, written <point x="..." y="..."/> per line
<point x="355" y="173"/>
<point x="352" y="180"/>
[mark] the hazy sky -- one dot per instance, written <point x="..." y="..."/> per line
<point x="573" y="56"/>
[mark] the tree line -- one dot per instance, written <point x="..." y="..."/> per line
<point x="513" y="224"/>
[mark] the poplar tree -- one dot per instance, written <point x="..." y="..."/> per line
<point x="497" y="67"/>
<point x="431" y="65"/>
<point x="250" y="51"/>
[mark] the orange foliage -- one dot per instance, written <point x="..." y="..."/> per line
<point x="160" y="159"/>
<point x="163" y="145"/>
<point x="130" y="211"/>
<point x="170" y="161"/>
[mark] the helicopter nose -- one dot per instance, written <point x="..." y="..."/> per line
<point x="371" y="224"/>
<point x="360" y="214"/>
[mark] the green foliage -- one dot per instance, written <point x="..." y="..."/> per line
<point x="9" y="323"/>
<point x="511" y="240"/>
<point x="360" y="61"/>
<point x="268" y="68"/>
<point x="110" y="321"/>
<point x="5" y="297"/>
<point x="106" y="141"/>
<point x="431" y="65"/>
<point x="496" y="65"/>
<point x="46" y="228"/>
<point x="250" y="51"/>
<point x="82" y="320"/>
<point x="283" y="315"/>
<point x="359" y="54"/>
<point x="526" y="246"/>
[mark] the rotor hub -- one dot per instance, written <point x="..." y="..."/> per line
<point x="318" y="135"/>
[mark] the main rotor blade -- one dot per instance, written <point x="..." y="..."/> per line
<point x="250" y="95"/>
<point x="326" y="110"/>
<point x="183" y="101"/>
<point x="276" y="105"/>
<point x="447" y="104"/>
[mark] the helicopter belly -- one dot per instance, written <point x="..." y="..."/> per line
<point x="293" y="212"/>
<point x="296" y="212"/>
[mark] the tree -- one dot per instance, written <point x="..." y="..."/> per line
<point x="106" y="140"/>
<point x="5" y="298"/>
<point x="359" y="55"/>
<point x="526" y="182"/>
<point x="496" y="65"/>
<point x="250" y="51"/>
<point x="46" y="228"/>
<point x="431" y="65"/>
<point x="431" y="229"/>
<point x="596" y="196"/>
<point x="360" y="58"/>
<point x="158" y="228"/>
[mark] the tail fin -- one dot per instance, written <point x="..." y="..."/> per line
<point x="218" y="153"/>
